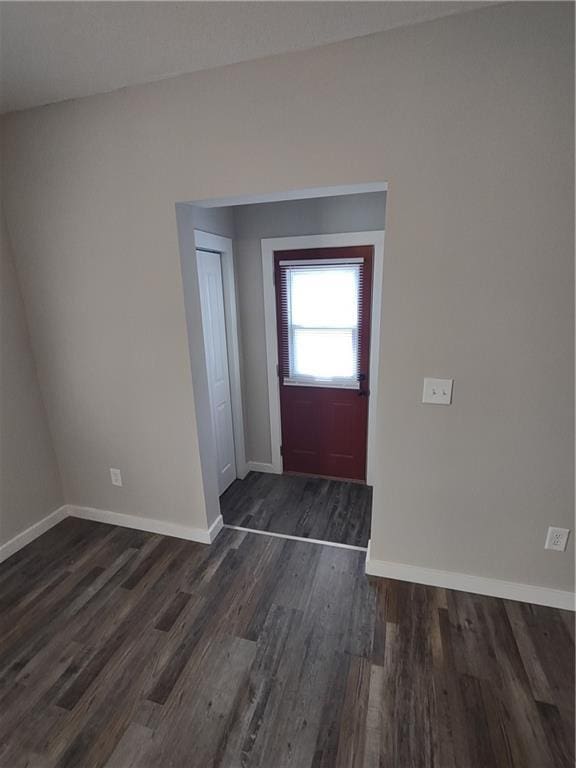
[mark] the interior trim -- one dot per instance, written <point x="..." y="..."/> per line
<point x="269" y="245"/>
<point x="28" y="535"/>
<point x="466" y="582"/>
<point x="296" y="538"/>
<point x="205" y="241"/>
<point x="202" y="535"/>
<point x="262" y="466"/>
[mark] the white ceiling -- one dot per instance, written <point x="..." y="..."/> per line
<point x="51" y="51"/>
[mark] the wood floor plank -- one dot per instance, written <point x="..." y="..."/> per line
<point x="520" y="713"/>
<point x="24" y="641"/>
<point x="331" y="719"/>
<point x="481" y="750"/>
<point x="130" y="750"/>
<point x="309" y="507"/>
<point x="248" y="713"/>
<point x="133" y="650"/>
<point x="195" y="728"/>
<point x="560" y="744"/>
<point x="352" y="736"/>
<point x="143" y="611"/>
<point x="458" y="725"/>
<point x="90" y="741"/>
<point x="173" y="610"/>
<point x="539" y="683"/>
<point x="28" y="695"/>
<point x="374" y="719"/>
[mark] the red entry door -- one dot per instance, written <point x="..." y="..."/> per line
<point x="323" y="300"/>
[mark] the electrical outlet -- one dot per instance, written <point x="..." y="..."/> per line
<point x="116" y="477"/>
<point x="557" y="539"/>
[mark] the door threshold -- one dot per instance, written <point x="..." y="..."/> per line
<point x="297" y="538"/>
<point x="354" y="480"/>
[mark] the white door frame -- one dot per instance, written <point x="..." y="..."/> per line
<point x="205" y="241"/>
<point x="269" y="246"/>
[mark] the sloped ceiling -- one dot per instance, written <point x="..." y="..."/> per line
<point x="52" y="51"/>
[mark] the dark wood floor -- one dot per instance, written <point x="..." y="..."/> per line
<point x="132" y="650"/>
<point x="310" y="507"/>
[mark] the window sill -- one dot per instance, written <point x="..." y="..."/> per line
<point x="324" y="383"/>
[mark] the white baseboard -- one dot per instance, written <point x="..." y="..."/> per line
<point x="25" y="537"/>
<point x="465" y="582"/>
<point x="242" y="470"/>
<point x="215" y="528"/>
<point x="113" y="518"/>
<point x="147" y="524"/>
<point x="261" y="466"/>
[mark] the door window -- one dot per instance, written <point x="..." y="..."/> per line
<point x="321" y="303"/>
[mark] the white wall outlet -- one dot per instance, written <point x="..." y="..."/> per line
<point x="116" y="477"/>
<point x="557" y="539"/>
<point x="437" y="391"/>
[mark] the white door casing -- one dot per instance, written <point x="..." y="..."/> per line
<point x="269" y="246"/>
<point x="214" y="330"/>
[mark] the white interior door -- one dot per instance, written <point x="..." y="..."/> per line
<point x="214" y="327"/>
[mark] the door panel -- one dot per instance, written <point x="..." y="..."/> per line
<point x="324" y="427"/>
<point x="214" y="329"/>
<point x="302" y="430"/>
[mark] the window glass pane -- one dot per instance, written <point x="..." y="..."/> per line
<point x="324" y="297"/>
<point x="324" y="353"/>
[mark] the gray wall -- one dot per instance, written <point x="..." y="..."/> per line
<point x="30" y="485"/>
<point x="470" y="121"/>
<point x="322" y="216"/>
<point x="217" y="221"/>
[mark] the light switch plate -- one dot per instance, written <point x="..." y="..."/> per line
<point x="437" y="391"/>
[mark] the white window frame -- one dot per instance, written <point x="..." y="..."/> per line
<point x="335" y="382"/>
<point x="269" y="245"/>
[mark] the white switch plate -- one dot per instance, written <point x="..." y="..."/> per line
<point x="437" y="391"/>
<point x="116" y="477"/>
<point x="557" y="539"/>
